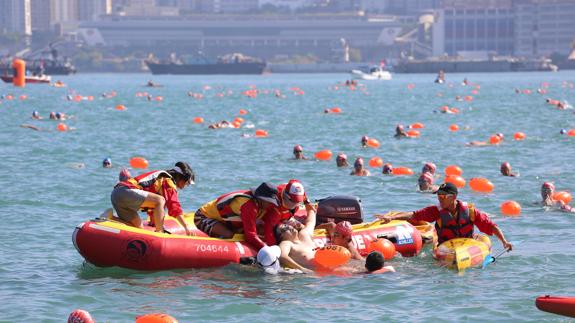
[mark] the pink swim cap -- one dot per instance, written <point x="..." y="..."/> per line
<point x="344" y="228"/>
<point x="429" y="167"/>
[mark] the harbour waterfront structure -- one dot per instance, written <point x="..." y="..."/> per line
<point x="263" y="36"/>
<point x="544" y="27"/>
<point x="16" y="17"/>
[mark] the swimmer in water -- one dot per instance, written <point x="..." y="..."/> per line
<point x="358" y="169"/>
<point x="387" y="169"/>
<point x="425" y="183"/>
<point x="400" y="131"/>
<point x="341" y="160"/>
<point x="36" y="115"/>
<point x="107" y="163"/>
<point x="547" y="191"/>
<point x="429" y="168"/>
<point x="340" y="235"/>
<point x="375" y="263"/>
<point x="364" y="141"/>
<point x="298" y="152"/>
<point x="506" y="170"/>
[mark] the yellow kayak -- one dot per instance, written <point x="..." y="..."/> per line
<point x="462" y="253"/>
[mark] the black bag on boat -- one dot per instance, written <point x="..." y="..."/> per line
<point x="339" y="208"/>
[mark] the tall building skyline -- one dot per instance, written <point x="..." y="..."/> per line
<point x="16" y="16"/>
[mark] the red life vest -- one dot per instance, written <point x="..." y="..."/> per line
<point x="460" y="227"/>
<point x="147" y="181"/>
<point x="223" y="202"/>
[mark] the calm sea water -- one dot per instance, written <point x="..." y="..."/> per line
<point x="46" y="194"/>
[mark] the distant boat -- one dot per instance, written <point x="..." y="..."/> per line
<point x="51" y="67"/>
<point x="375" y="73"/>
<point x="234" y="64"/>
<point x="29" y="79"/>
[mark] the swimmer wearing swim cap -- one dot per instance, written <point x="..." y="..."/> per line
<point x="340" y="234"/>
<point x="429" y="168"/>
<point x="425" y="183"/>
<point x="364" y="141"/>
<point x="341" y="160"/>
<point x="400" y="131"/>
<point x="547" y="199"/>
<point x="298" y="152"/>
<point x="506" y="170"/>
<point x="358" y="169"/>
<point x="387" y="169"/>
<point x="107" y="163"/>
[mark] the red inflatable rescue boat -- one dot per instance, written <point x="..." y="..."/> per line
<point x="107" y="242"/>
<point x="557" y="305"/>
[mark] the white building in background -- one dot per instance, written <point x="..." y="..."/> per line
<point x="544" y="27"/>
<point x="93" y="9"/>
<point x="16" y="16"/>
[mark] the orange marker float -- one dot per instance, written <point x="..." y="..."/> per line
<point x="453" y="170"/>
<point x="413" y="133"/>
<point x="519" y="136"/>
<point x="239" y="119"/>
<point x="23" y="97"/>
<point x="261" y="133"/>
<point x="323" y="155"/>
<point x="402" y="171"/>
<point x="332" y="256"/>
<point x="156" y="318"/>
<point x="480" y="184"/>
<point x="494" y="140"/>
<point x="198" y="120"/>
<point x="458" y="181"/>
<point x="138" y="162"/>
<point x="571" y="133"/>
<point x="373" y="143"/>
<point x="376" y="162"/>
<point x="62" y="127"/>
<point x="563" y="196"/>
<point x="386" y="247"/>
<point x="243" y="112"/>
<point x="454" y="127"/>
<point x="417" y="125"/>
<point x="510" y="208"/>
<point x="120" y="107"/>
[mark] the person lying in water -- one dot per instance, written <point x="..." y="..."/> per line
<point x="297" y="246"/>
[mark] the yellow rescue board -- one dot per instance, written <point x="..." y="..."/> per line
<point x="462" y="253"/>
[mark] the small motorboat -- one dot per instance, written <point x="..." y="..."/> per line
<point x="29" y="79"/>
<point x="375" y="73"/>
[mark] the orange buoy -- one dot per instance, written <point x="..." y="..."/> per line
<point x="571" y="133"/>
<point x="454" y="127"/>
<point x="519" y="136"/>
<point x="481" y="184"/>
<point x="417" y="125"/>
<point x="332" y="256"/>
<point x="455" y="180"/>
<point x="138" y="162"/>
<point x="239" y="119"/>
<point x="563" y="196"/>
<point x="23" y="97"/>
<point x="120" y="107"/>
<point x="323" y="155"/>
<point x="156" y="318"/>
<point x="376" y="162"/>
<point x="413" y="133"/>
<point x="62" y="127"/>
<point x="402" y="171"/>
<point x="198" y="120"/>
<point x="80" y="316"/>
<point x="454" y="110"/>
<point x="335" y="110"/>
<point x="386" y="247"/>
<point x="468" y="98"/>
<point x="19" y="67"/>
<point x="236" y="124"/>
<point x="494" y="140"/>
<point x="453" y="170"/>
<point x="9" y="97"/>
<point x="261" y="133"/>
<point x="159" y="98"/>
<point x="243" y="111"/>
<point x="510" y="208"/>
<point x="373" y="143"/>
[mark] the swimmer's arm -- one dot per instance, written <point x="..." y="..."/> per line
<point x="287" y="261"/>
<point x="311" y="218"/>
<point x="397" y="216"/>
<point x="329" y="227"/>
<point x="354" y="253"/>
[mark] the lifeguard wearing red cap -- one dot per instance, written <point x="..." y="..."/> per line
<point x="294" y="191"/>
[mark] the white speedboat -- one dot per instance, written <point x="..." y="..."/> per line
<point x="375" y="73"/>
